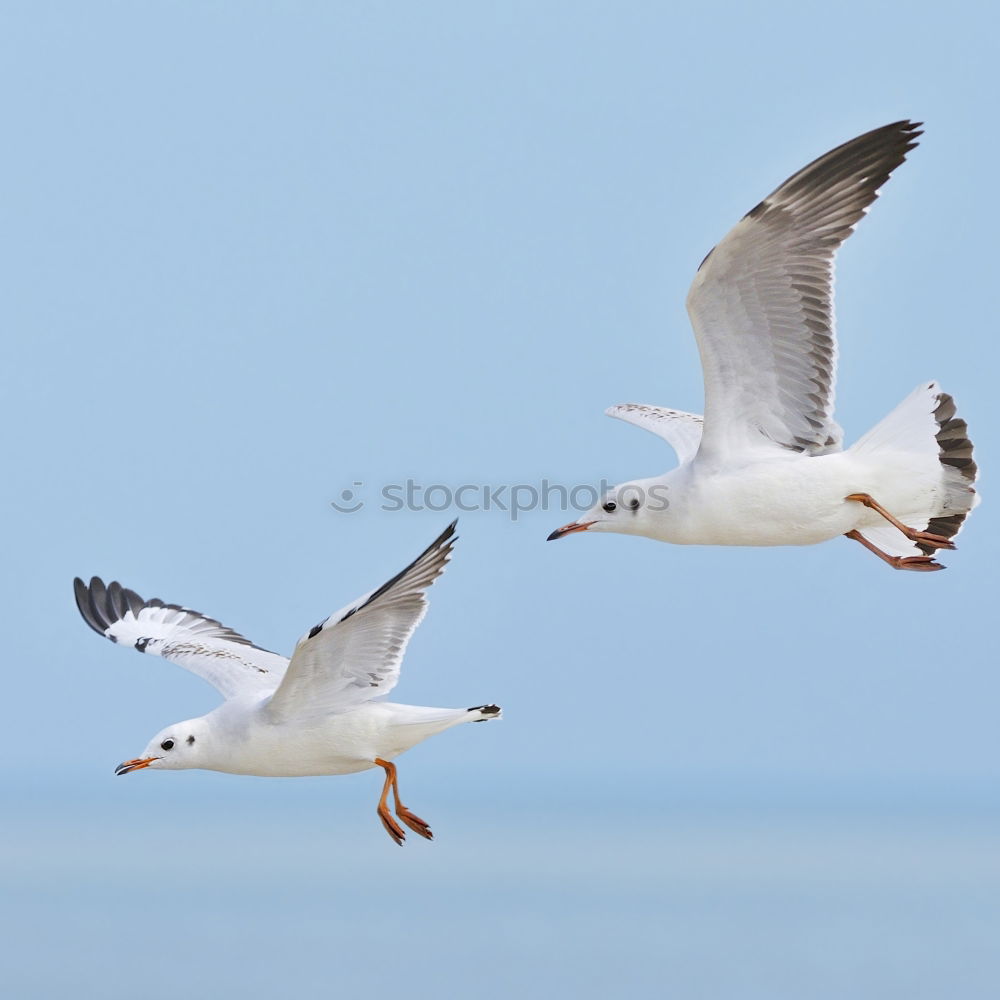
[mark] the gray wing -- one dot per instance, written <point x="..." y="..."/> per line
<point x="217" y="654"/>
<point x="682" y="431"/>
<point x="355" y="654"/>
<point x="761" y="303"/>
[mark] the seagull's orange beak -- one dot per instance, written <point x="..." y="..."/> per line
<point x="134" y="765"/>
<point x="568" y="529"/>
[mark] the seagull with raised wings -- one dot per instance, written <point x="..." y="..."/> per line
<point x="319" y="713"/>
<point x="766" y="464"/>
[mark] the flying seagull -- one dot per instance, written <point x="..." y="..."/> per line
<point x="320" y="713"/>
<point x="766" y="465"/>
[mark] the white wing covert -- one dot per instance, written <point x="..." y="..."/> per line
<point x="682" y="431"/>
<point x="761" y="303"/>
<point x="228" y="661"/>
<point x="355" y="655"/>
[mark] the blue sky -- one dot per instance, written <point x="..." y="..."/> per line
<point x="258" y="253"/>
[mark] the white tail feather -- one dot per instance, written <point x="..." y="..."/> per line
<point x="924" y="441"/>
<point x="910" y="427"/>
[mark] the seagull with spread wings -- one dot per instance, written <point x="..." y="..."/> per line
<point x="319" y="713"/>
<point x="766" y="465"/>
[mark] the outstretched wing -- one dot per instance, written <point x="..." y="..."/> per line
<point x="224" y="658"/>
<point x="682" y="431"/>
<point x="762" y="302"/>
<point x="355" y="654"/>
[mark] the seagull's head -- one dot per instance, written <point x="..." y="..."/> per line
<point x="632" y="508"/>
<point x="179" y="746"/>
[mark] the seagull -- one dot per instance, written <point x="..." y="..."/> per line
<point x="766" y="464"/>
<point x="319" y="713"/>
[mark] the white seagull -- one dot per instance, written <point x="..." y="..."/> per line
<point x="765" y="465"/>
<point x="315" y="714"/>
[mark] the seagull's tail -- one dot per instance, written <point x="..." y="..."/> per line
<point x="926" y="446"/>
<point x="434" y="720"/>
<point x="485" y="712"/>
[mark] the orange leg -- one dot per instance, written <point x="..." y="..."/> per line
<point x="414" y="822"/>
<point x="927" y="537"/>
<point x="924" y="564"/>
<point x="391" y="826"/>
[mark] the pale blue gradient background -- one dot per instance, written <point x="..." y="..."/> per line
<point x="254" y="252"/>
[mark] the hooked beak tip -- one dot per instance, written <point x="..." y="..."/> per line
<point x="568" y="529"/>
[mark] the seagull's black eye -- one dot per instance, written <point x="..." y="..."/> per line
<point x="611" y="506"/>
<point x="167" y="745"/>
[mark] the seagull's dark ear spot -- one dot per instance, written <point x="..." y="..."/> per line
<point x="190" y="740"/>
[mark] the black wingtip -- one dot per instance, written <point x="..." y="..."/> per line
<point x="911" y="130"/>
<point x="867" y="161"/>
<point x="448" y="532"/>
<point x="86" y="604"/>
<point x="447" y="536"/>
<point x="445" y="542"/>
<point x="102" y="605"/>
